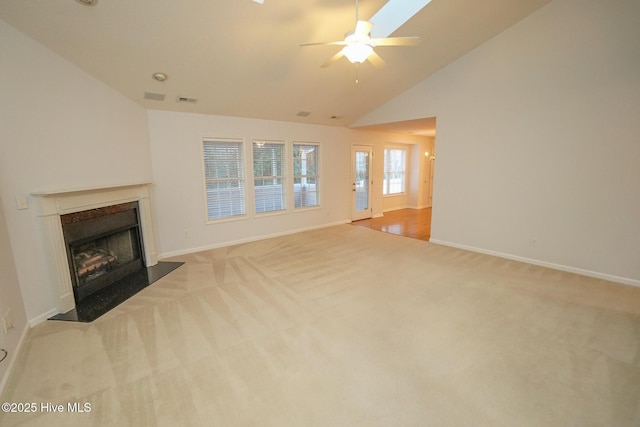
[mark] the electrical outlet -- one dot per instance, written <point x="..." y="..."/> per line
<point x="533" y="242"/>
<point x="186" y="233"/>
<point x="7" y="324"/>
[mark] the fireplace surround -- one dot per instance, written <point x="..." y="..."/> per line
<point x="53" y="208"/>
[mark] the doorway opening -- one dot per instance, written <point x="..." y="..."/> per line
<point x="408" y="212"/>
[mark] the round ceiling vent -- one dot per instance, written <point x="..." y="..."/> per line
<point x="88" y="2"/>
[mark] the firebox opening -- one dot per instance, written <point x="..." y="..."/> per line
<point x="103" y="246"/>
<point x="105" y="260"/>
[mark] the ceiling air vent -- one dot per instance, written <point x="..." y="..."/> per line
<point x="185" y="99"/>
<point x="303" y="114"/>
<point x="154" y="96"/>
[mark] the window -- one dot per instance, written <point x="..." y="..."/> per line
<point x="305" y="175"/>
<point x="224" y="178"/>
<point x="269" y="175"/>
<point x="394" y="171"/>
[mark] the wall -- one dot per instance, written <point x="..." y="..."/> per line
<point x="176" y="140"/>
<point x="10" y="299"/>
<point x="538" y="136"/>
<point x="60" y="129"/>
<point x="420" y="174"/>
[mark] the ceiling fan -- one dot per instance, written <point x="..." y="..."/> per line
<point x="359" y="46"/>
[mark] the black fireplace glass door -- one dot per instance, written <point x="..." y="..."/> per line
<point x="104" y="260"/>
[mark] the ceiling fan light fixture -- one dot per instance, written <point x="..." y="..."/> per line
<point x="359" y="46"/>
<point x="357" y="52"/>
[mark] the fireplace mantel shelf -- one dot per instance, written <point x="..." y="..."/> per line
<point x="86" y="189"/>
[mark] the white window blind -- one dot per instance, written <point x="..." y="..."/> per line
<point x="306" y="190"/>
<point x="394" y="171"/>
<point x="269" y="175"/>
<point x="224" y="178"/>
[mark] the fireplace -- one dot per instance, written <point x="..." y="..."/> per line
<point x="103" y="246"/>
<point x="91" y="236"/>
<point x="100" y="248"/>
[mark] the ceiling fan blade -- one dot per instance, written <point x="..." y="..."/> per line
<point x="375" y="60"/>
<point x="396" y="41"/>
<point x="340" y="43"/>
<point x="333" y="59"/>
<point x="363" y="28"/>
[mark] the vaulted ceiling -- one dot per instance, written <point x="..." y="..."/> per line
<point x="242" y="58"/>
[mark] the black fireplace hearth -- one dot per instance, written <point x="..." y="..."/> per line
<point x="102" y="301"/>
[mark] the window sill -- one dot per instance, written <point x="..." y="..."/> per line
<point x="228" y="219"/>
<point x="308" y="208"/>
<point x="270" y="213"/>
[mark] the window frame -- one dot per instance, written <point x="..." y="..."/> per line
<point x="285" y="177"/>
<point x="386" y="183"/>
<point x="244" y="187"/>
<point x="248" y="187"/>
<point x="317" y="176"/>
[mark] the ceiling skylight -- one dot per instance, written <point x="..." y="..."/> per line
<point x="393" y="15"/>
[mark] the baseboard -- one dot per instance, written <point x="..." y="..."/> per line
<point x="416" y="207"/>
<point x="568" y="269"/>
<point x="13" y="358"/>
<point x="247" y="240"/>
<point x="36" y="320"/>
<point x="397" y="208"/>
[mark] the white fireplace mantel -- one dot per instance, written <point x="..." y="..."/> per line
<point x="52" y="204"/>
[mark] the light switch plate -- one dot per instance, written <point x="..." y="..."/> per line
<point x="22" y="203"/>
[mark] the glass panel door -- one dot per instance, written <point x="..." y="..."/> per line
<point x="361" y="182"/>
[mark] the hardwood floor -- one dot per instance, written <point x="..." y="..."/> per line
<point x="414" y="223"/>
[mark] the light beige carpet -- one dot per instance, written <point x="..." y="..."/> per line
<point x="345" y="326"/>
